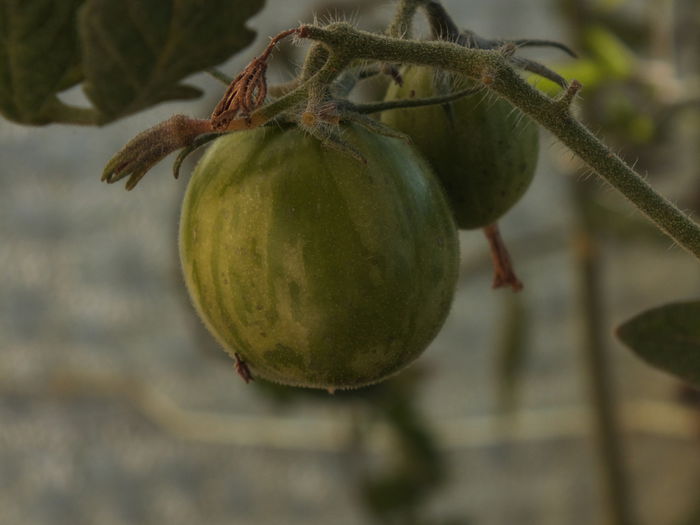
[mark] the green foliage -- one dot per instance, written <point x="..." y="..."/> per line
<point x="667" y="337"/>
<point x="609" y="52"/>
<point x="39" y="57"/>
<point x="130" y="54"/>
<point x="136" y="53"/>
<point x="607" y="60"/>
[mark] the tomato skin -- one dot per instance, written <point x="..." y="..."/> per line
<point x="483" y="150"/>
<point x="318" y="270"/>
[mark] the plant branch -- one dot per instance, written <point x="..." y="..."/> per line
<point x="376" y="107"/>
<point x="400" y="26"/>
<point x="493" y="69"/>
<point x="335" y="63"/>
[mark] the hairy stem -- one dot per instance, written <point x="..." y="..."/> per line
<point x="376" y="107"/>
<point x="492" y="68"/>
<point x="400" y="26"/>
<point x="333" y="66"/>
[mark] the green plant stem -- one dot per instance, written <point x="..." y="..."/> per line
<point x="598" y="371"/>
<point x="493" y="69"/>
<point x="315" y="59"/>
<point x="320" y="80"/>
<point x="400" y="26"/>
<point x="376" y="107"/>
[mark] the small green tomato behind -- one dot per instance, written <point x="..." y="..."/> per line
<point x="317" y="269"/>
<point x="483" y="150"/>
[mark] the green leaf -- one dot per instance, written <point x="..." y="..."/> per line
<point x="136" y="52"/>
<point x="39" y="57"/>
<point x="667" y="337"/>
<point x="610" y="52"/>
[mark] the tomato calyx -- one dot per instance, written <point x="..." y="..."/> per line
<point x="248" y="90"/>
<point x="245" y="94"/>
<point x="151" y="146"/>
<point x="316" y="100"/>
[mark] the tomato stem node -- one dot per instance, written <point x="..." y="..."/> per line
<point x="567" y="97"/>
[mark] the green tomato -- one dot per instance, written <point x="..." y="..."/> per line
<point x="483" y="151"/>
<point x="318" y="270"/>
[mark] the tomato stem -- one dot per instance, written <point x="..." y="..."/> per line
<point x="376" y="107"/>
<point x="346" y="43"/>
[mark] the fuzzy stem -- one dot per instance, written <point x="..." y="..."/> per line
<point x="333" y="66"/>
<point x="441" y="24"/>
<point x="315" y="59"/>
<point x="492" y="67"/>
<point x="400" y="26"/>
<point x="376" y="107"/>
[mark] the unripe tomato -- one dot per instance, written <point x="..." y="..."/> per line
<point x="483" y="151"/>
<point x="317" y="269"/>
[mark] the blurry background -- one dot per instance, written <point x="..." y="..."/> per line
<point x="117" y="408"/>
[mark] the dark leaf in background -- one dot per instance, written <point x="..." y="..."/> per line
<point x="39" y="57"/>
<point x="135" y="52"/>
<point x="667" y="337"/>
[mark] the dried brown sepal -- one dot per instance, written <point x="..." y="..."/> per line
<point x="503" y="272"/>
<point x="149" y="147"/>
<point x="242" y="369"/>
<point x="247" y="91"/>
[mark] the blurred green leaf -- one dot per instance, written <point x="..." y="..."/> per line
<point x="136" y="52"/>
<point x="39" y="57"/>
<point x="667" y="337"/>
<point x="608" y="60"/>
<point x="610" y="52"/>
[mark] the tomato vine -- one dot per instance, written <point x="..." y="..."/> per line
<point x="339" y="46"/>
